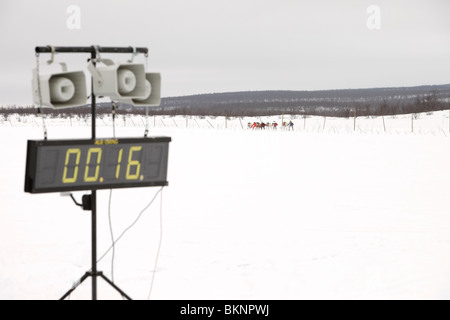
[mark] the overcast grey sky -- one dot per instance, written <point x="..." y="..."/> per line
<point x="205" y="46"/>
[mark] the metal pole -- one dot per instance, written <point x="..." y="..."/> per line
<point x="94" y="194"/>
<point x="94" y="244"/>
<point x="90" y="50"/>
<point x="93" y="100"/>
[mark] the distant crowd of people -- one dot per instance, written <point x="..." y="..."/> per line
<point x="270" y="126"/>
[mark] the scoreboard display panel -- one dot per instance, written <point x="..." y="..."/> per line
<point x="78" y="165"/>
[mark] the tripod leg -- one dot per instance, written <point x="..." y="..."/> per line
<point x="114" y="286"/>
<point x="75" y="285"/>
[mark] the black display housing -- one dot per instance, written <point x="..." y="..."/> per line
<point x="96" y="164"/>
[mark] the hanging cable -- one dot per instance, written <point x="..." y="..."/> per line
<point x="113" y="111"/>
<point x="40" y="112"/>
<point x="112" y="236"/>
<point x="159" y="245"/>
<point x="146" y="123"/>
<point x="146" y="62"/>
<point x="131" y="226"/>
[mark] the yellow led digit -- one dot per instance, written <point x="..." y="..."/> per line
<point x="133" y="163"/>
<point x="77" y="153"/>
<point x="98" y="151"/>
<point x="118" y="163"/>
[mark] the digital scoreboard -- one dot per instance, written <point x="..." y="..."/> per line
<point x="77" y="165"/>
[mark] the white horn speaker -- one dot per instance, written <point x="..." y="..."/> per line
<point x="152" y="94"/>
<point x="60" y="90"/>
<point x="119" y="81"/>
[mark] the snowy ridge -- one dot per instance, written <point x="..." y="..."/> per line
<point x="329" y="103"/>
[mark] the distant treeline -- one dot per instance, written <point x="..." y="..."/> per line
<point x="330" y="103"/>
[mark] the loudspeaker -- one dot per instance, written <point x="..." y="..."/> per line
<point x="152" y="92"/>
<point x="60" y="90"/>
<point x="119" y="81"/>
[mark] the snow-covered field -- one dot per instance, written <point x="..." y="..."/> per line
<point x="318" y="213"/>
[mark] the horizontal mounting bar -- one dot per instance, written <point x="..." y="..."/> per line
<point x="91" y="49"/>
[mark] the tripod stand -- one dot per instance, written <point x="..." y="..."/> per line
<point x="89" y="204"/>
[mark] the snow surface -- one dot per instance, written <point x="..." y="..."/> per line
<point x="309" y="214"/>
